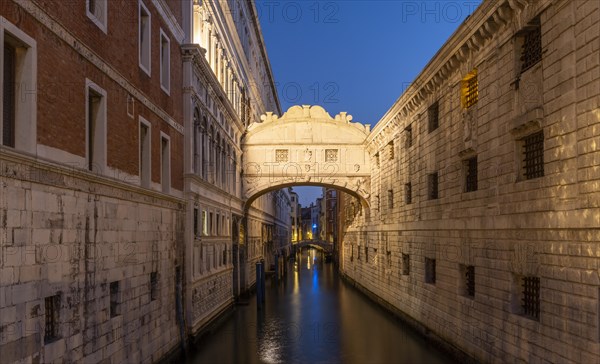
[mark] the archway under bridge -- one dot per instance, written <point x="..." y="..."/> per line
<point x="306" y="147"/>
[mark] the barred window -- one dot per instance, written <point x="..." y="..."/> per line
<point x="471" y="174"/>
<point x="468" y="276"/>
<point x="52" y="310"/>
<point x="331" y="155"/>
<point x="391" y="199"/>
<point x="530" y="298"/>
<point x="430" y="270"/>
<point x="408" y="136"/>
<point x="470" y="90"/>
<point x="408" y="193"/>
<point x="405" y="264"/>
<point x="433" y="114"/>
<point x="432" y="186"/>
<point x="281" y="155"/>
<point x="531" y="50"/>
<point x="153" y="286"/>
<point x="114" y="299"/>
<point x="533" y="155"/>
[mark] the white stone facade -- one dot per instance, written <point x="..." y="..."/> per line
<point x="515" y="227"/>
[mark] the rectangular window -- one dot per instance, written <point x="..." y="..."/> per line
<point x="405" y="264"/>
<point x="195" y="221"/>
<point x="210" y="224"/>
<point x="408" y="136"/>
<point x="52" y="310"/>
<point x="331" y="155"/>
<point x="533" y="155"/>
<point x="8" y="96"/>
<point x="165" y="171"/>
<point x="467" y="285"/>
<point x="281" y="155"/>
<point x="144" y="38"/>
<point x="408" y="193"/>
<point x="153" y="286"/>
<point x="432" y="186"/>
<point x="391" y="199"/>
<point x="470" y="90"/>
<point x="96" y="10"/>
<point x="18" y="60"/>
<point x="429" y="271"/>
<point x="165" y="62"/>
<point x="531" y="50"/>
<point x="530" y="297"/>
<point x="433" y="116"/>
<point x="145" y="160"/>
<point x="96" y="128"/>
<point x="471" y="174"/>
<point x="115" y="309"/>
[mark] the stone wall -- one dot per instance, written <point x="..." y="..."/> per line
<point x="417" y="256"/>
<point x="71" y="234"/>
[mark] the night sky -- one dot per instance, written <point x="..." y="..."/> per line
<point x="354" y="56"/>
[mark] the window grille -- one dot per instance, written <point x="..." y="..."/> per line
<point x="52" y="306"/>
<point x="114" y="299"/>
<point x="471" y="176"/>
<point x="153" y="286"/>
<point x="432" y="186"/>
<point x="405" y="264"/>
<point x="531" y="51"/>
<point x="408" y="193"/>
<point x="281" y="155"/>
<point x="533" y="151"/>
<point x="433" y="114"/>
<point x="429" y="270"/>
<point x="470" y="90"/>
<point x="391" y="199"/>
<point x="531" y="297"/>
<point x="331" y="155"/>
<point x="470" y="280"/>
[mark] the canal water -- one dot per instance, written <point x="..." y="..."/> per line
<point x="312" y="316"/>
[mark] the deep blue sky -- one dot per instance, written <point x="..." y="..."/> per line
<point x="354" y="56"/>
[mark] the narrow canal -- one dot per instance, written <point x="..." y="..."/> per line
<point x="313" y="316"/>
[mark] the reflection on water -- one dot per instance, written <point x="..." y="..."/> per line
<point x="313" y="317"/>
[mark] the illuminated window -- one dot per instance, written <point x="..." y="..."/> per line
<point x="469" y="90"/>
<point x="281" y="155"/>
<point x="204" y="224"/>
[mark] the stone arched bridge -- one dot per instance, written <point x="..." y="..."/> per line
<point x="306" y="146"/>
<point x="327" y="247"/>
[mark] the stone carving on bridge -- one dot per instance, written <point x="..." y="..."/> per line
<point x="321" y="151"/>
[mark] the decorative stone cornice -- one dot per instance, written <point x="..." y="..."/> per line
<point x="314" y="112"/>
